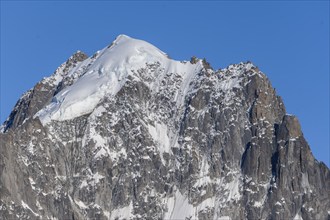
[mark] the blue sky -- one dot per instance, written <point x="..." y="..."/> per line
<point x="289" y="41"/>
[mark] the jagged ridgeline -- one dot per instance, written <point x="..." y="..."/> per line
<point x="129" y="133"/>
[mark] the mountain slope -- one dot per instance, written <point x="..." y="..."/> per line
<point x="130" y="133"/>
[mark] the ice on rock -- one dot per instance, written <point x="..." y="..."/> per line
<point x="106" y="76"/>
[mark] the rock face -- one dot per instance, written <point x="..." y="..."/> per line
<point x="153" y="138"/>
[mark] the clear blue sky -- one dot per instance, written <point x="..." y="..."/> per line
<point x="289" y="41"/>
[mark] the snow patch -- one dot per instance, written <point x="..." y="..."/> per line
<point x="101" y="153"/>
<point x="31" y="148"/>
<point x="92" y="180"/>
<point x="96" y="177"/>
<point x="106" y="214"/>
<point x="32" y="183"/>
<point x="159" y="134"/>
<point x="258" y="204"/>
<point x="25" y="206"/>
<point x="80" y="204"/>
<point x="224" y="218"/>
<point x="83" y="184"/>
<point x="232" y="188"/>
<point x="182" y="208"/>
<point x="298" y="217"/>
<point x="278" y="203"/>
<point x="170" y="202"/>
<point x="38" y="205"/>
<point x="178" y="207"/>
<point x="122" y="213"/>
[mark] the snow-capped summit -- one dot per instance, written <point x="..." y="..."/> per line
<point x="107" y="73"/>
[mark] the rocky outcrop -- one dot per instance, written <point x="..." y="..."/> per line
<point x="226" y="150"/>
<point x="41" y="94"/>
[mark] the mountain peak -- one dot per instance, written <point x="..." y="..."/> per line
<point x="129" y="130"/>
<point x="130" y="49"/>
<point x="105" y="74"/>
<point x="122" y="37"/>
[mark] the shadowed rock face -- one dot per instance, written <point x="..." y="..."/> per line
<point x="229" y="150"/>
